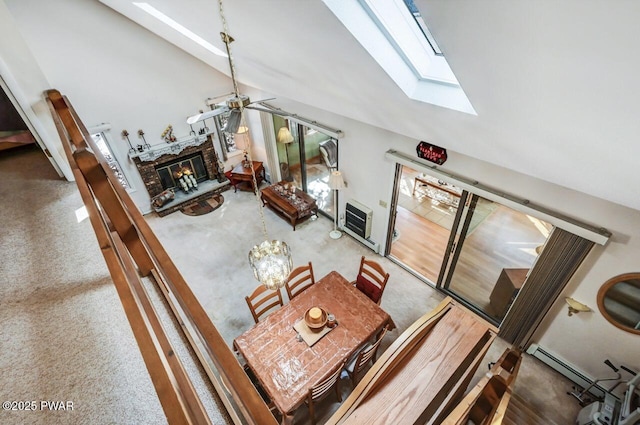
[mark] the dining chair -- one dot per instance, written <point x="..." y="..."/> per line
<point x="299" y="279"/>
<point x="365" y="355"/>
<point x="320" y="390"/>
<point x="371" y="279"/>
<point x="263" y="301"/>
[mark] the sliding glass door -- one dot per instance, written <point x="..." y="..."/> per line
<point x="306" y="158"/>
<point x="493" y="249"/>
<point x="472" y="248"/>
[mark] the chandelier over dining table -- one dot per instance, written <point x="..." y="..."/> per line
<point x="270" y="260"/>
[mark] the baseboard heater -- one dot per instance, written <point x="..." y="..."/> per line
<point x="374" y="246"/>
<point x="564" y="369"/>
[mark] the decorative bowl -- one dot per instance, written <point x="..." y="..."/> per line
<point x="315" y="318"/>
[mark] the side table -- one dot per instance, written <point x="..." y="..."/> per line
<point x="243" y="178"/>
<point x="504" y="292"/>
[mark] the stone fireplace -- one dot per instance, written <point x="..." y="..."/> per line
<point x="167" y="173"/>
<point x="158" y="167"/>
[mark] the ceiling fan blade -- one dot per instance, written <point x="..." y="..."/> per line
<point x="263" y="100"/>
<point x="211" y="101"/>
<point x="270" y="111"/>
<point x="205" y="115"/>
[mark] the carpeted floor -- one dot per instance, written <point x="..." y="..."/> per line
<point x="211" y="252"/>
<point x="63" y="332"/>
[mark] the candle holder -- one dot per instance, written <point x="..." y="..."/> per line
<point x="145" y="145"/>
<point x="204" y="129"/>
<point x="125" y="135"/>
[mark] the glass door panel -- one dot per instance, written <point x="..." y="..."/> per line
<point x="302" y="162"/>
<point x="286" y="140"/>
<point x="494" y="250"/>
<point x="425" y="215"/>
<point x="316" y="171"/>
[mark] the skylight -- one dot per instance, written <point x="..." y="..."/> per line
<point x="180" y="28"/>
<point x="389" y="31"/>
<point x="417" y="15"/>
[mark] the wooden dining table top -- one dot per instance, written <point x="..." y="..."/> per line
<point x="286" y="366"/>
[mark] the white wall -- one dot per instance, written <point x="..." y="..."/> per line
<point x="114" y="71"/>
<point x="24" y="79"/>
<point x="583" y="340"/>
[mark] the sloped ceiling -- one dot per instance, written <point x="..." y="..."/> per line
<point x="554" y="83"/>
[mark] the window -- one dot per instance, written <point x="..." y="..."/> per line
<point x="423" y="26"/>
<point x="100" y="140"/>
<point x="227" y="140"/>
<point x="394" y="33"/>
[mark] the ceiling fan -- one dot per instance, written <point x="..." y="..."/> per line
<point x="234" y="104"/>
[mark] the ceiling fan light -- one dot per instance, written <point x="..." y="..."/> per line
<point x="233" y="123"/>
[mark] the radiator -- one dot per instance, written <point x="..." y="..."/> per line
<point x="358" y="219"/>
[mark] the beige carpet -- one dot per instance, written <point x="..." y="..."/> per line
<point x="64" y="335"/>
<point x="211" y="252"/>
<point x="63" y="332"/>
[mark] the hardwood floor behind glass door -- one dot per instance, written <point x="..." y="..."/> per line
<point x="424" y="219"/>
<point x="495" y="248"/>
<point x="472" y="248"/>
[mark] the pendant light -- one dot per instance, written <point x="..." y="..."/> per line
<point x="270" y="260"/>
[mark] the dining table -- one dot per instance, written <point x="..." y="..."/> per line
<point x="285" y="364"/>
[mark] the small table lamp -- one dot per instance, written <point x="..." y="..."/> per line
<point x="336" y="183"/>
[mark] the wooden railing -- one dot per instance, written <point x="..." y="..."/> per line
<point x="132" y="251"/>
<point x="424" y="373"/>
<point x="487" y="402"/>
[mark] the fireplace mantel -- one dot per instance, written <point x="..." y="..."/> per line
<point x="148" y="161"/>
<point x="173" y="148"/>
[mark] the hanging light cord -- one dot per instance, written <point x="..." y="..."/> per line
<point x="227" y="42"/>
<point x="243" y="123"/>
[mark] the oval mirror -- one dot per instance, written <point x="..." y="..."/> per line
<point x="619" y="301"/>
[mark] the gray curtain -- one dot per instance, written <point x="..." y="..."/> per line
<point x="559" y="260"/>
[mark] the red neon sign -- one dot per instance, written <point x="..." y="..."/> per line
<point x="431" y="153"/>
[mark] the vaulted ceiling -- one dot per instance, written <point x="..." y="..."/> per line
<point x="554" y="83"/>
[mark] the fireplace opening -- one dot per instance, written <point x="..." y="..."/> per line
<point x="169" y="173"/>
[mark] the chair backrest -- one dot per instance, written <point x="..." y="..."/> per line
<point x="371" y="279"/>
<point x="320" y="390"/>
<point x="262" y="301"/>
<point x="299" y="279"/>
<point x="366" y="355"/>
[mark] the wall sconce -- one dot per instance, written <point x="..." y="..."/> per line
<point x="576" y="306"/>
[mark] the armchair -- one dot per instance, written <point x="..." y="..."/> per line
<point x="329" y="152"/>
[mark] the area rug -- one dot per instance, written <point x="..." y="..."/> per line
<point x="203" y="207"/>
